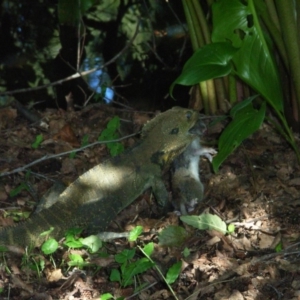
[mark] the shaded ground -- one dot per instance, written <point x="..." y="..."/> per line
<point x="257" y="190"/>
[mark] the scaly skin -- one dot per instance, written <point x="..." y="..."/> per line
<point x="96" y="197"/>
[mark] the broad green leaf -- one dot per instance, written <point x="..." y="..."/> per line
<point x="241" y="105"/>
<point x="125" y="255"/>
<point x="132" y="269"/>
<point x="141" y="266"/>
<point x="106" y="296"/>
<point x="247" y="120"/>
<point x="172" y="236"/>
<point x="115" y="275"/>
<point x="148" y="249"/>
<point x="173" y="272"/>
<point x="205" y="222"/>
<point x="71" y="240"/>
<point x="135" y="233"/>
<point x="92" y="242"/>
<point x="238" y="22"/>
<point x="50" y="246"/>
<point x="76" y="258"/>
<point x="210" y="61"/>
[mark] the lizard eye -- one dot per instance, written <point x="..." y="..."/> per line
<point x="189" y="114"/>
<point x="174" y="131"/>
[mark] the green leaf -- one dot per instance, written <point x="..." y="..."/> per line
<point x="186" y="252"/>
<point x="113" y="124"/>
<point x="124" y="256"/>
<point x="135" y="233"/>
<point x="148" y="249"/>
<point x="173" y="272"/>
<point x="172" y="236"/>
<point x="210" y="61"/>
<point x="76" y="258"/>
<point x="254" y="63"/>
<point x="85" y="140"/>
<point x="50" y="246"/>
<point x="110" y="133"/>
<point x="71" y="240"/>
<point x="115" y="275"/>
<point x="245" y="104"/>
<point x="138" y="267"/>
<point x="92" y="242"/>
<point x="230" y="228"/>
<point x="14" y="192"/>
<point x="106" y="296"/>
<point x="37" y="142"/>
<point x="278" y="247"/>
<point x="205" y="222"/>
<point x="246" y="121"/>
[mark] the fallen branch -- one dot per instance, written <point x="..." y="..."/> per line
<point x="46" y="157"/>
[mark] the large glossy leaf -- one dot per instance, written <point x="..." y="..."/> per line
<point x="246" y="121"/>
<point x="236" y="22"/>
<point x="210" y="61"/>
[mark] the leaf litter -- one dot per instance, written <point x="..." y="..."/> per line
<point x="257" y="190"/>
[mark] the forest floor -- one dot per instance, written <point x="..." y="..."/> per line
<point x="257" y="189"/>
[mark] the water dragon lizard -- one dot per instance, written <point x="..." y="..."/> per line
<point x="96" y="197"/>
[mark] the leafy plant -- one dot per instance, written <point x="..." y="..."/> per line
<point x="245" y="121"/>
<point x="128" y="267"/>
<point x="111" y="133"/>
<point x="240" y="48"/>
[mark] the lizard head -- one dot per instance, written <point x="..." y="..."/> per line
<point x="169" y="133"/>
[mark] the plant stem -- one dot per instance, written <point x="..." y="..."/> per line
<point x="159" y="271"/>
<point x="276" y="34"/>
<point x="286" y="13"/>
<point x="202" y="21"/>
<point x="232" y="89"/>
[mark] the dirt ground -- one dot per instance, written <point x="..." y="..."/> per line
<point x="257" y="189"/>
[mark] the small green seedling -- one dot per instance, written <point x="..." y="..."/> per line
<point x="231" y="228"/>
<point x="111" y="133"/>
<point x="135" y="233"/>
<point x="128" y="268"/>
<point x="38" y="140"/>
<point x="50" y="246"/>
